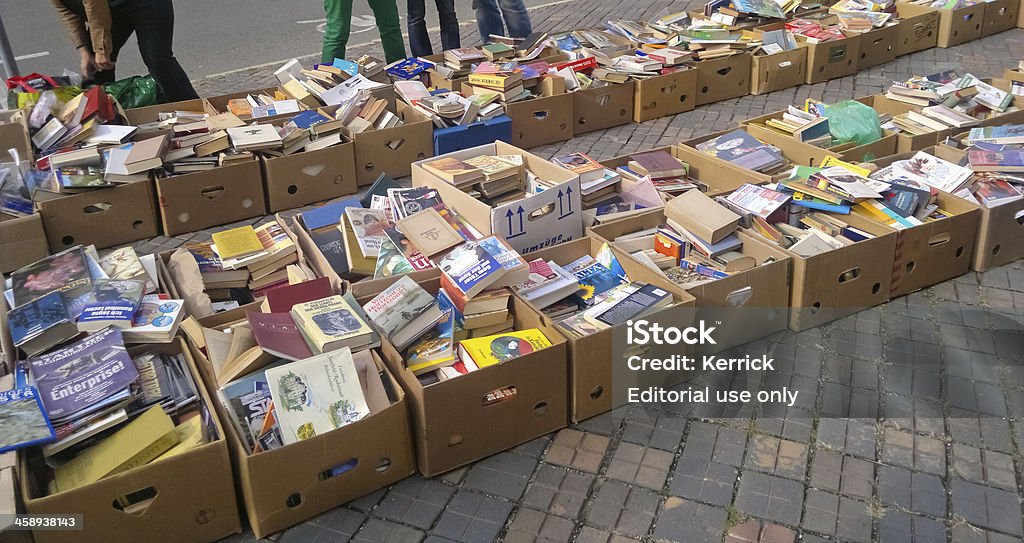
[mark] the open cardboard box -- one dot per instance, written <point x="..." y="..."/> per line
<point x="286" y="486"/>
<point x="103" y="217"/>
<point x="905" y="142"/>
<point x="831" y="59"/>
<point x="602" y="107"/>
<point x="723" y="78"/>
<point x="548" y="118"/>
<point x="309" y="176"/>
<point x="151" y="114"/>
<point x="1000" y="15"/>
<point x="664" y="95"/>
<point x="917" y="30"/>
<point x="392" y="150"/>
<point x="591" y="381"/>
<point x="315" y="258"/>
<point x="719" y="176"/>
<point x="541" y="220"/>
<point x="878" y="46"/>
<point x="782" y="70"/>
<point x="22" y="241"/>
<point x="1000" y="229"/>
<point x="222" y="195"/>
<point x="454" y="422"/>
<point x="14" y="134"/>
<point x="884" y="146"/>
<point x="195" y="492"/>
<point x="763" y="289"/>
<point x="797" y="152"/>
<point x="956" y="26"/>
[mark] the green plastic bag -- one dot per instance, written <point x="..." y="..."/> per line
<point x="853" y="121"/>
<point x="135" y="91"/>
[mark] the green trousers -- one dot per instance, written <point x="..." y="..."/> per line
<point x="339" y="23"/>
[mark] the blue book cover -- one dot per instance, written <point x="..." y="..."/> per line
<point x="329" y="214"/>
<point x="36" y="317"/>
<point x="309" y="118"/>
<point x="444" y="303"/>
<point x="814" y="203"/>
<point x="248" y="400"/>
<point x="409" y="68"/>
<point x="347" y="66"/>
<point x="113" y="302"/>
<point x="470" y="267"/>
<point x="594" y="278"/>
<point x="73" y="379"/>
<point x="23" y="420"/>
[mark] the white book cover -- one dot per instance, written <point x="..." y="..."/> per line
<point x="368" y="226"/>
<point x="260" y="135"/>
<point x="316" y="395"/>
<point x="110" y="133"/>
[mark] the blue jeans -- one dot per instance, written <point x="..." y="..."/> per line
<point x="419" y="41"/>
<point x="489" y="15"/>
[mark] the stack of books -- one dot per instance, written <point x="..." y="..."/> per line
<point x="947" y="100"/>
<point x="740" y="148"/>
<point x="669" y="175"/>
<point x="813" y="31"/>
<point x="494" y="179"/>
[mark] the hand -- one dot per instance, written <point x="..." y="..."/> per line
<point x="104" y="62"/>
<point x="88" y="63"/>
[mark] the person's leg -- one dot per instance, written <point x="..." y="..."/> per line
<point x="449" y="24"/>
<point x="516" y="18"/>
<point x="339" y="21"/>
<point x="419" y="41"/>
<point x="386" y="14"/>
<point x="154" y="29"/>
<point x="488" y="19"/>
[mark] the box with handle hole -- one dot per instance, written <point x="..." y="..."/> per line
<point x="222" y="195"/>
<point x="603" y="107"/>
<point x="664" y="95"/>
<point x="104" y="217"/>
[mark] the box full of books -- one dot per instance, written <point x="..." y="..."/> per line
<point x="936" y="231"/>
<point x="681" y="170"/>
<point x="503" y="190"/>
<point x="14" y="132"/>
<point x="103" y="217"/>
<point x="149" y="114"/>
<point x="842" y="261"/>
<point x="608" y="194"/>
<point x="603" y="107"/>
<point x="587" y="291"/>
<point x="456" y="138"/>
<point x="471" y="356"/>
<point x="664" y="95"/>
<point x="779" y="64"/>
<point x="22" y="240"/>
<point x="743" y="283"/>
<point x="391" y="149"/>
<point x="314" y="418"/>
<point x="265" y="105"/>
<point x="960" y="21"/>
<point x="831" y="53"/>
<point x="138" y="449"/>
<point x="917" y="30"/>
<point x="202" y="199"/>
<point x="998" y="191"/>
<point x="742" y="150"/>
<point x="319" y="234"/>
<point x="546" y="119"/>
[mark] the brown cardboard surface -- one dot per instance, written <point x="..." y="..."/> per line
<point x="1000" y="15"/>
<point x="602" y="107"/>
<point x="200" y="200"/>
<point x="392" y="150"/>
<point x="797" y="152"/>
<point x="149" y="114"/>
<point x="720" y="176"/>
<point x="103" y="217"/>
<point x="870" y="151"/>
<point x="14" y="133"/>
<point x="195" y="498"/>
<point x="451" y="425"/>
<point x="831" y="59"/>
<point x="310" y="176"/>
<point x="544" y="120"/>
<point x="663" y="95"/>
<point x="783" y="70"/>
<point x="935" y="251"/>
<point x="962" y="25"/>
<point x="1000" y="236"/>
<point x="590" y="358"/>
<point x="878" y="46"/>
<point x="917" y="30"/>
<point x="723" y="78"/>
<point x="22" y="241"/>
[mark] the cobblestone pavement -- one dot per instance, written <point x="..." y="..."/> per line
<point x="950" y="472"/>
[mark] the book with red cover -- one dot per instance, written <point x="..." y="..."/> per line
<point x="98" y="103"/>
<point x="281" y="299"/>
<point x="277" y="334"/>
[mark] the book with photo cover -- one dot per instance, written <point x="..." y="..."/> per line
<point x="113" y="302"/>
<point x="66" y="272"/>
<point x="23" y="421"/>
<point x="403" y="312"/>
<point x="368" y="226"/>
<point x="41" y="324"/>
<point x="471" y="268"/>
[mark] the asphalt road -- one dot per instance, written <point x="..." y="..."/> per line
<point x="209" y="37"/>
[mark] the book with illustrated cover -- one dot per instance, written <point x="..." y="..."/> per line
<point x="436" y="348"/>
<point x="993" y="192"/>
<point x="124" y="263"/>
<point x="491" y="350"/>
<point x="77" y="378"/>
<point x="403" y="312"/>
<point x="41" y="324"/>
<point x="330" y="323"/>
<point x="454" y="171"/>
<point x="156" y="320"/>
<point x="390" y="261"/>
<point x="66" y="272"/>
<point x="405" y="202"/>
<point x="594" y="278"/>
<point x="761" y="201"/>
<point x="471" y="268"/>
<point x="935" y="172"/>
<point x="540" y="274"/>
<point x="730" y="146"/>
<point x="582" y="165"/>
<point x="516" y="269"/>
<point x="79" y="177"/>
<point x="247" y="400"/>
<point x="368" y="227"/>
<point x="23" y="421"/>
<point x="429" y="232"/>
<point x="409" y="251"/>
<point x="1005" y="135"/>
<point x="113" y="302"/>
<point x="1008" y="160"/>
<point x="316" y="395"/>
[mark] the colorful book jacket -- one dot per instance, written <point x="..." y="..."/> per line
<point x="23" y="421"/>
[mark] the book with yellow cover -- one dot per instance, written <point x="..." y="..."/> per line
<point x="136" y="444"/>
<point x="190" y="436"/>
<point x="831" y="161"/>
<point x="491" y="350"/>
<point x="358" y="263"/>
<point x="237" y="242"/>
<point x="330" y="323"/>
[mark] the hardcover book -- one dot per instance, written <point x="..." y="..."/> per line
<point x="316" y="395"/>
<point x="454" y="171"/>
<point x="330" y="324"/>
<point x="403" y="312"/>
<point x="281" y="300"/>
<point x="491" y="350"/>
<point x="277" y="334"/>
<point x="429" y="232"/>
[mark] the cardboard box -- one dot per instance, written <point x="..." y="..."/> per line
<point x="935" y="251"/>
<point x="219" y="104"/>
<point x="1000" y="15"/>
<point x="286" y="486"/>
<point x="150" y="114"/>
<point x="769" y="73"/>
<point x="14" y="134"/>
<point x="549" y="218"/>
<point x="797" y="152"/>
<point x="956" y="26"/>
<point x="878" y="46"/>
<point x="310" y="176"/>
<point x="195" y="492"/>
<point x="457" y="138"/>
<point x="392" y="150"/>
<point x="200" y="200"/>
<point x="544" y="120"/>
<point x="831" y="59"/>
<point x="905" y="143"/>
<point x="720" y="177"/>
<point x="602" y="107"/>
<point x="453" y="421"/>
<point x="664" y="95"/>
<point x="104" y="217"/>
<point x="847" y="151"/>
<point x="764" y="290"/>
<point x="723" y="78"/>
<point x="917" y="30"/>
<point x="22" y="241"/>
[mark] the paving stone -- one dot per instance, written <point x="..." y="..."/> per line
<point x="915" y="415"/>
<point x="756" y="531"/>
<point x="714" y="442"/>
<point x="558" y="491"/>
<point x="304" y="533"/>
<point x="622" y="509"/>
<point x="987" y="507"/>
<point x="590" y="534"/>
<point x="638" y="465"/>
<point x="911" y="490"/>
<point x="684" y="520"/>
<point x="980" y="430"/>
<point x="377" y="530"/>
<point x="984" y="466"/>
<point x="504" y="474"/>
<point x="704" y="480"/>
<point x="842" y="474"/>
<point x="850" y="436"/>
<point x="472" y="517"/>
<point x="769" y="497"/>
<point x="914" y="452"/>
<point x="837" y="516"/>
<point x="367" y="502"/>
<point x="899" y="527"/>
<point x="777" y="456"/>
<point x="414" y="501"/>
<point x="791" y="423"/>
<point x="341" y="521"/>
<point x="578" y="450"/>
<point x="655" y="430"/>
<point x="531" y="526"/>
<point x="965" y="533"/>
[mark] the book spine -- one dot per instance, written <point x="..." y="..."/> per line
<point x="487" y="80"/>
